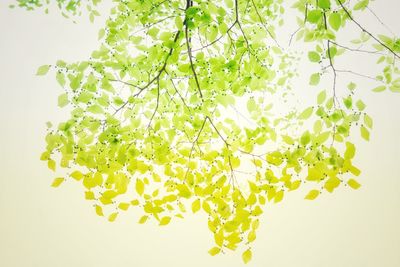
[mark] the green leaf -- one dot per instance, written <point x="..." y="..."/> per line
<point x="42" y="70"/>
<point x="350" y="151"/>
<point x="306" y="113"/>
<point x="335" y="20"/>
<point x="305" y="138"/>
<point x="60" y="78"/>
<point x="314" y="56"/>
<point x="379" y="89"/>
<point x="348" y="102"/>
<point x="360" y="105"/>
<point x="325" y="4"/>
<point x="314" y="16"/>
<point x="321" y="97"/>
<point x="63" y="100"/>
<point x="361" y="5"/>
<point x="368" y="121"/>
<point x="314" y="79"/>
<point x="364" y="133"/>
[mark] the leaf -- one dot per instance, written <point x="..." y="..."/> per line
<point x="214" y="251"/>
<point x="379" y="89"/>
<point x="60" y="78"/>
<point x="252" y="236"/>
<point x="165" y="220"/>
<point x="361" y="5"/>
<point x="335" y="20"/>
<point x="313" y="194"/>
<point x="348" y="102"/>
<point x="314" y="56"/>
<point x="112" y="216"/>
<point x="360" y="105"/>
<point x="139" y="187"/>
<point x="321" y="97"/>
<point x="251" y="105"/>
<point x="42" y="70"/>
<point x="314" y="16"/>
<point x="196" y="206"/>
<point x="306" y="113"/>
<point x="246" y="256"/>
<point x="89" y="195"/>
<point x="123" y="206"/>
<point x="350" y="151"/>
<point x="368" y="121"/>
<point x="305" y="138"/>
<point x="219" y="238"/>
<point x="314" y="79"/>
<point x="364" y="133"/>
<point x="353" y="184"/>
<point x="324" y="4"/>
<point x="143" y="219"/>
<point x="57" y="182"/>
<point x="99" y="210"/>
<point x="278" y="196"/>
<point x="77" y="175"/>
<point x="51" y="164"/>
<point x="63" y="100"/>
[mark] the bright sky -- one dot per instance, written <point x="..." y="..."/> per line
<point x="46" y="227"/>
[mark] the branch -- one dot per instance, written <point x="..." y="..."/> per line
<point x="367" y="32"/>
<point x="158" y="101"/>
<point x="189" y="3"/>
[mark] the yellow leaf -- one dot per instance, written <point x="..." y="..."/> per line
<point x="143" y="219"/>
<point x="331" y="184"/>
<point x="123" y="206"/>
<point x="350" y="151"/>
<point x="89" y="195"/>
<point x="313" y="194"/>
<point x="196" y="205"/>
<point x="77" y="175"/>
<point x="156" y="178"/>
<point x="135" y="202"/>
<point x="112" y="216"/>
<point x="278" y="196"/>
<point x="246" y="256"/>
<point x="219" y="238"/>
<point x="57" y="182"/>
<point x="206" y="207"/>
<point x="99" y="210"/>
<point x="252" y="236"/>
<point x="165" y="220"/>
<point x="214" y="251"/>
<point x="353" y="184"/>
<point x="51" y="164"/>
<point x="139" y="186"/>
<point x="295" y="184"/>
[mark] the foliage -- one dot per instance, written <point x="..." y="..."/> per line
<point x="155" y="120"/>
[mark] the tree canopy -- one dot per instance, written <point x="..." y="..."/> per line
<point x="176" y="109"/>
